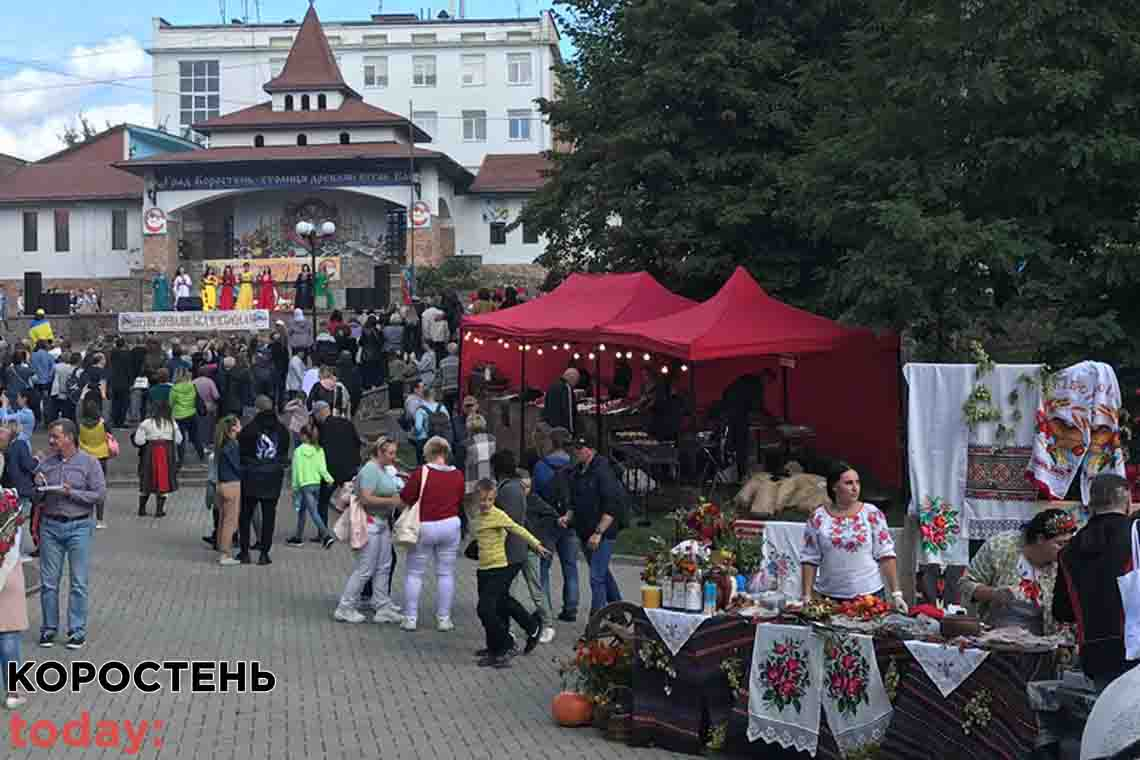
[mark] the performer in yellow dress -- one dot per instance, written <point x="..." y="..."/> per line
<point x="209" y="290"/>
<point x="245" y="293"/>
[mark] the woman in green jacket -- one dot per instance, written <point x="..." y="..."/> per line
<point x="184" y="407"/>
<point x="309" y="471"/>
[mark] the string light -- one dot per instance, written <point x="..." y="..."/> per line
<point x="566" y="346"/>
<point x="628" y="354"/>
<point x="684" y="367"/>
<point x="601" y="346"/>
<point x="577" y="356"/>
<point x="591" y="356"/>
<point x="664" y="369"/>
<point x="646" y="357"/>
<point x="540" y="352"/>
<point x="522" y="347"/>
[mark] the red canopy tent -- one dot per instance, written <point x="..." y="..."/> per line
<point x="846" y="384"/>
<point x="580" y="306"/>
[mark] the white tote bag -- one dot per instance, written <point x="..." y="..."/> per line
<point x="1130" y="598"/>
<point x="407" y="530"/>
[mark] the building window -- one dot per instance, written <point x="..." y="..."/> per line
<point x="473" y="37"/>
<point x="475" y="126"/>
<point x="334" y="39"/>
<point x="519" y="124"/>
<point x="31" y="231"/>
<point x="62" y="230"/>
<point x="259" y="141"/>
<point x="304" y="102"/>
<point x="375" y="39"/>
<point x="344" y="139"/>
<point x="322" y="102"/>
<point x="423" y="39"/>
<point x="280" y="42"/>
<point x="288" y="102"/>
<point x="118" y="229"/>
<point x="428" y="121"/>
<point x="423" y="71"/>
<point x="530" y="234"/>
<point x="302" y="139"/>
<point x="198" y="90"/>
<point x="518" y="68"/>
<point x="275" y="67"/>
<point x="474" y="70"/>
<point x="376" y="71"/>
<point x="498" y="233"/>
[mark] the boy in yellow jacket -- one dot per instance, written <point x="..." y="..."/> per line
<point x="496" y="604"/>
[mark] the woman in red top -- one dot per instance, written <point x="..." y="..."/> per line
<point x="439" y="532"/>
<point x="266" y="298"/>
<point x="226" y="293"/>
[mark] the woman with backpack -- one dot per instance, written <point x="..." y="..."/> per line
<point x="93" y="440"/>
<point x="157" y="436"/>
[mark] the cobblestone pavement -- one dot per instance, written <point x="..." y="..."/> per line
<point x="343" y="691"/>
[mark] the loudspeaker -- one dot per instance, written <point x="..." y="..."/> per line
<point x="382" y="283"/>
<point x="33" y="290"/>
<point x="189" y="303"/>
<point x="55" y="303"/>
<point x="352" y="297"/>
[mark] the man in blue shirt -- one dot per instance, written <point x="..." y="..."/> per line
<point x="43" y="362"/>
<point x="22" y="413"/>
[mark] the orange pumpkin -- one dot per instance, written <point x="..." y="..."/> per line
<point x="571" y="709"/>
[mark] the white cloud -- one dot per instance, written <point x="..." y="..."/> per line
<point x="41" y="138"/>
<point x="36" y="105"/>
<point x="117" y="57"/>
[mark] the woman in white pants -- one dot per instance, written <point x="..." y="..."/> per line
<point x="377" y="488"/>
<point x="440" y="502"/>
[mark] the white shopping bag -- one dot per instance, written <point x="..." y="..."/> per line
<point x="1130" y="598"/>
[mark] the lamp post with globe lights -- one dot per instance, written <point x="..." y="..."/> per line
<point x="312" y="235"/>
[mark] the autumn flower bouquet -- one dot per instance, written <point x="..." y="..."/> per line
<point x="598" y="669"/>
<point x="11" y="518"/>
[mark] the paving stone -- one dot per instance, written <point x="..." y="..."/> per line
<point x="343" y="691"/>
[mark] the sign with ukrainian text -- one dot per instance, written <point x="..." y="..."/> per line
<point x="193" y="321"/>
<point x="302" y="179"/>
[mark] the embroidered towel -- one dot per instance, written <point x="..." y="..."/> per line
<point x="947" y="666"/>
<point x="1078" y="430"/>
<point x="998" y="497"/>
<point x="936" y="449"/>
<point x="781" y="548"/>
<point x="784" y="687"/>
<point x="854" y="699"/>
<point x="674" y="628"/>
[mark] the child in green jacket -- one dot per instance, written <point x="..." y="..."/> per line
<point x="309" y="471"/>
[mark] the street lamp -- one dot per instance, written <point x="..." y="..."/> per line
<point x="312" y="234"/>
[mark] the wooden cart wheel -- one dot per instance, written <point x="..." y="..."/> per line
<point x="616" y="622"/>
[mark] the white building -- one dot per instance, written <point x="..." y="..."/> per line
<point x="471" y="83"/>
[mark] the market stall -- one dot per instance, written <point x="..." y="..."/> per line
<point x="701" y="666"/>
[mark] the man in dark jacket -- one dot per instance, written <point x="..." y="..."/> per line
<point x="264" y="447"/>
<point x="342" y="445"/>
<point x="1086" y="592"/>
<point x="596" y="500"/>
<point x="122" y="378"/>
<point x="559" y="408"/>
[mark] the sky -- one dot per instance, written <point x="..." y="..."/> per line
<point x="77" y="56"/>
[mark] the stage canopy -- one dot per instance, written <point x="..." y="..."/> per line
<point x="741" y="320"/>
<point x="580" y="306"/>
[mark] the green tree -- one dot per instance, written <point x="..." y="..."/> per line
<point x="976" y="163"/>
<point x="679" y="115"/>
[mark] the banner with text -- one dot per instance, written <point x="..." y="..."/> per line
<point x="203" y="180"/>
<point x="193" y="321"/>
<point x="282" y="269"/>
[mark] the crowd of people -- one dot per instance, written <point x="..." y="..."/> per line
<point x="256" y="410"/>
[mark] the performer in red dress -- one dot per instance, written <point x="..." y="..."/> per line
<point x="226" y="296"/>
<point x="266" y="294"/>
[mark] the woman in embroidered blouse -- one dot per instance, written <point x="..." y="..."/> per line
<point x="209" y="290"/>
<point x="1013" y="575"/>
<point x="848" y="551"/>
